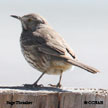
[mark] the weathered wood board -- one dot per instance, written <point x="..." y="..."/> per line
<point x="48" y="97"/>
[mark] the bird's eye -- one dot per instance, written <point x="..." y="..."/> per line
<point x="29" y="20"/>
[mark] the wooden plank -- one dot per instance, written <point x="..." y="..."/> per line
<point x="47" y="97"/>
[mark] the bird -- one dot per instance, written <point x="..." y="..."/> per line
<point x="45" y="49"/>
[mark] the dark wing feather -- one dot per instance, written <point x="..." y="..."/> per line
<point x="53" y="43"/>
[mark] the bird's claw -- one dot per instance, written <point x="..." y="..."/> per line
<point x="58" y="85"/>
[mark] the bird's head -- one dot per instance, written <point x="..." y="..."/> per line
<point x="30" y="21"/>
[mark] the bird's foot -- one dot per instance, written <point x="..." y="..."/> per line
<point x="58" y="85"/>
<point x="33" y="85"/>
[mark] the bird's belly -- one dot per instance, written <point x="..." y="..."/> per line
<point x="58" y="66"/>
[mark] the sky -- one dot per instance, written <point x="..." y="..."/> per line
<point x="82" y="23"/>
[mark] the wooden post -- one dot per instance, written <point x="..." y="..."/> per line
<point x="48" y="97"/>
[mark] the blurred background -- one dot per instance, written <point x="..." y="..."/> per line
<point x="82" y="23"/>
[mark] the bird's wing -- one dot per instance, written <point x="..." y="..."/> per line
<point x="49" y="42"/>
<point x="52" y="43"/>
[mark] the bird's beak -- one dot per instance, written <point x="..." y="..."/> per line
<point x="17" y="17"/>
<point x="20" y="18"/>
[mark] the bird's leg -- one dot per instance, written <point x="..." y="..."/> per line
<point x="58" y="84"/>
<point x="35" y="83"/>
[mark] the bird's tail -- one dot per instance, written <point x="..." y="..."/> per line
<point x="83" y="66"/>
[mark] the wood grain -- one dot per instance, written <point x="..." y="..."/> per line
<point x="48" y="97"/>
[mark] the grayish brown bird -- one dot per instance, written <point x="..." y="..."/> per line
<point x="45" y="49"/>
